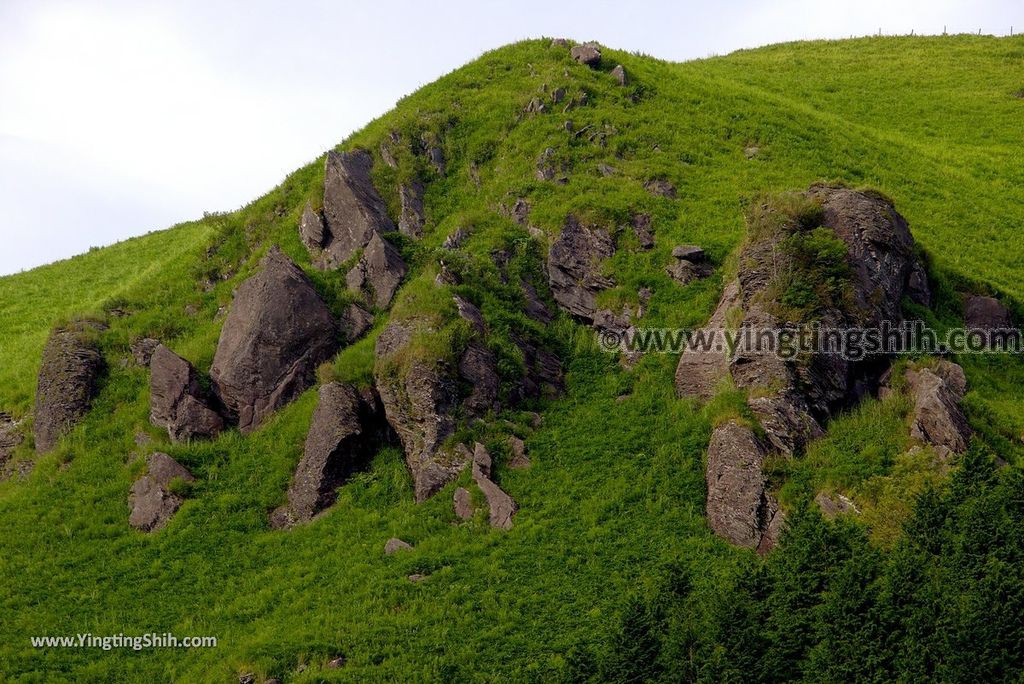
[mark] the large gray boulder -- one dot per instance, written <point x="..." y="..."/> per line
<point x="346" y="430"/>
<point x="177" y="401"/>
<point x="739" y="507"/>
<point x="68" y="377"/>
<point x="353" y="210"/>
<point x="378" y="273"/>
<point x="938" y="418"/>
<point x="574" y="267"/>
<point x="277" y="332"/>
<point x="587" y="53"/>
<point x="152" y="499"/>
<point x="420" y="396"/>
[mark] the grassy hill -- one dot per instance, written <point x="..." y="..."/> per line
<point x="610" y="572"/>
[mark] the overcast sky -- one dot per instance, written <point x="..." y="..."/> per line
<point x="117" y="118"/>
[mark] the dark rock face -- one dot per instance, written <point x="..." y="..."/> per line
<point x="68" y="376"/>
<point x="379" y="272"/>
<point x="543" y="377"/>
<point x="535" y="307"/>
<point x="619" y="74"/>
<point x="938" y="418"/>
<point x="312" y="231"/>
<point x="689" y="264"/>
<point x="588" y="54"/>
<point x="10" y="437"/>
<point x="739" y="508"/>
<point x="501" y="505"/>
<point x="435" y="155"/>
<point x="985" y="315"/>
<point x="702" y="366"/>
<point x="346" y="429"/>
<point x="353" y="211"/>
<point x="478" y="365"/>
<point x="177" y="402"/>
<point x="277" y="332"/>
<point x="355" y="322"/>
<point x="152" y="502"/>
<point x="574" y="267"/>
<point x="642" y="230"/>
<point x="143" y="349"/>
<point x="419" y="401"/>
<point x="411" y="220"/>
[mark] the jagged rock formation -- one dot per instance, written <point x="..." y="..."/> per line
<point x="938" y="418"/>
<point x="411" y="220"/>
<point x="792" y="398"/>
<point x="689" y="264"/>
<point x="378" y="273"/>
<point x="68" y="376"/>
<point x="419" y="396"/>
<point x="355" y="322"/>
<point x="10" y="437"/>
<point x="177" y="401"/>
<point x="739" y="507"/>
<point x="574" y="267"/>
<point x="277" y="332"/>
<point x="353" y="210"/>
<point x="587" y="53"/>
<point x="661" y="188"/>
<point x="347" y="428"/>
<point x="312" y="231"/>
<point x="151" y="500"/>
<point x="500" y="504"/>
<point x="478" y="365"/>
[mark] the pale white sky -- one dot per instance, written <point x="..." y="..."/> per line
<point x="117" y="118"/>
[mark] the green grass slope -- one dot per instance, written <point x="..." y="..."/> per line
<point x="610" y="572"/>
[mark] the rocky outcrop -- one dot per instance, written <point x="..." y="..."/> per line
<point x="832" y="505"/>
<point x="420" y="396"/>
<point x="574" y="267"/>
<point x="619" y="74"/>
<point x="478" y="365"/>
<point x="518" y="460"/>
<point x="704" y="363"/>
<point x="68" y="379"/>
<point x="152" y="500"/>
<point x="346" y="430"/>
<point x="456" y="239"/>
<point x="501" y="506"/>
<point x="985" y="316"/>
<point x="312" y="232"/>
<point x="661" y="188"/>
<point x="535" y="307"/>
<point x="143" y="349"/>
<point x="353" y="210"/>
<point x="177" y="402"/>
<point x="739" y="508"/>
<point x="378" y="273"/>
<point x="411" y="220"/>
<point x="10" y="437"/>
<point x="462" y="501"/>
<point x="938" y="419"/>
<point x="277" y="332"/>
<point x="641" y="224"/>
<point x="587" y="53"/>
<point x="689" y="263"/>
<point x="355" y="322"/>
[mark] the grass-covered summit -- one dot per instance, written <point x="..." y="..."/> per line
<point x="610" y="571"/>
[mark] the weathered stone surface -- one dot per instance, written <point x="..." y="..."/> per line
<point x="463" y="503"/>
<point x="534" y="106"/>
<point x="277" y="332"/>
<point x="353" y="210"/>
<point x="355" y="322"/>
<point x="739" y="508"/>
<point x="543" y="377"/>
<point x="559" y="42"/>
<point x="312" y="231"/>
<point x="411" y="220"/>
<point x="176" y="400"/>
<point x="501" y="505"/>
<point x="142" y="350"/>
<point x="619" y="74"/>
<point x="938" y="418"/>
<point x="151" y="500"/>
<point x="435" y="155"/>
<point x="394" y="545"/>
<point x="704" y="364"/>
<point x="642" y="229"/>
<point x="660" y="187"/>
<point x="689" y="253"/>
<point x="346" y="429"/>
<point x="518" y="460"/>
<point x="420" y="398"/>
<point x="379" y="272"/>
<point x="521" y="211"/>
<point x="456" y="239"/>
<point x="10" y="437"/>
<point x="685" y="272"/>
<point x="68" y="377"/>
<point x="535" y="307"/>
<point x="574" y="267"/>
<point x="587" y="53"/>
<point x="478" y="365"/>
<point x="832" y="505"/>
<point x="986" y="314"/>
